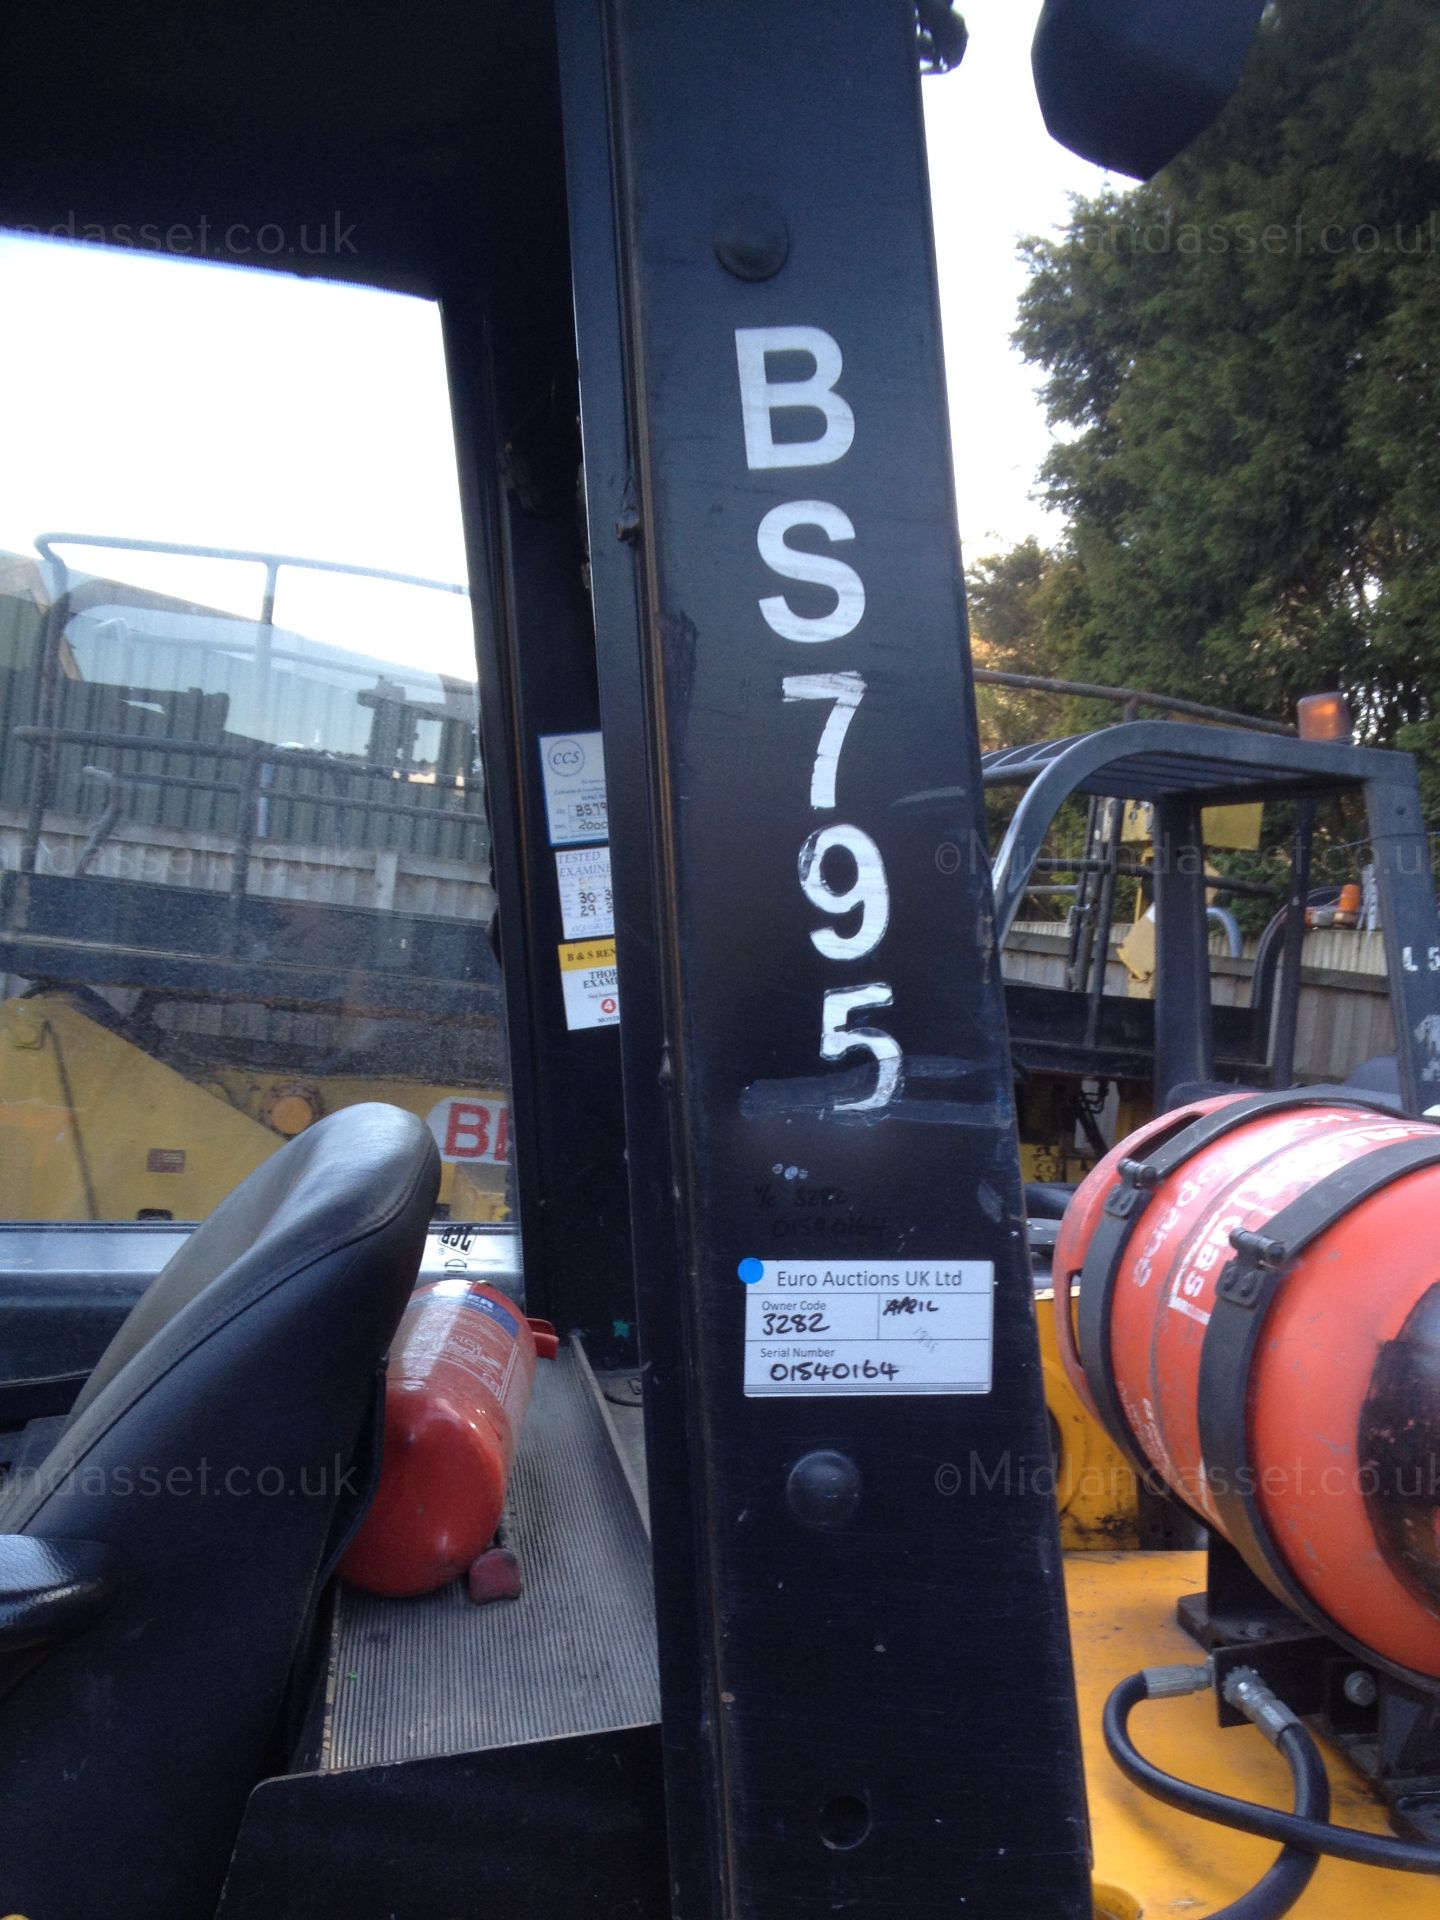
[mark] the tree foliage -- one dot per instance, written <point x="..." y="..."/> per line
<point x="1243" y="358"/>
<point x="1018" y="627"/>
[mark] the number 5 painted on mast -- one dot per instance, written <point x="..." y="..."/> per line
<point x="838" y="1038"/>
<point x="847" y="690"/>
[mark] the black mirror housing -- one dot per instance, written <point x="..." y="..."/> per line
<point x="1128" y="84"/>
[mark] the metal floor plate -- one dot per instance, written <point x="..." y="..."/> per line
<point x="575" y="1653"/>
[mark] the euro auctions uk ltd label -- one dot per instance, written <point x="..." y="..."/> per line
<point x="868" y="1326"/>
<point x="590" y="982"/>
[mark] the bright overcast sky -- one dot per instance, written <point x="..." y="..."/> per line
<point x="170" y="400"/>
<point x="995" y="176"/>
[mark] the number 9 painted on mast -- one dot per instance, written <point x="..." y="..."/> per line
<point x="823" y="862"/>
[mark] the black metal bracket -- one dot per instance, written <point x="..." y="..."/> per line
<point x="1388" y="1730"/>
<point x="941" y="34"/>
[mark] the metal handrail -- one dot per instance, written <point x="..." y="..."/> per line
<point x="45" y="544"/>
<point x="1126" y="697"/>
<point x="221" y="750"/>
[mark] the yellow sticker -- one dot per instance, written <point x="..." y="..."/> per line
<point x="577" y="955"/>
<point x="1237" y="827"/>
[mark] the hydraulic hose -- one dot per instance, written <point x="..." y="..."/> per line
<point x="1301" y="1829"/>
<point x="1294" y="1867"/>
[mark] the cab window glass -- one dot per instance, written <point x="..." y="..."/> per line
<point x="244" y="858"/>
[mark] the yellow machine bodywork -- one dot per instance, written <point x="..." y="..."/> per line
<point x="1048" y="1152"/>
<point x="1151" y="1861"/>
<point x="1095" y="1487"/>
<point x="1053" y="1161"/>
<point x="472" y="1191"/>
<point x="94" y="1128"/>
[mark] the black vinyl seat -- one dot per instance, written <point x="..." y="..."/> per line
<point x="159" y="1567"/>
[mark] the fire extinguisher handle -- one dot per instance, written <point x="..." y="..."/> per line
<point x="547" y="1340"/>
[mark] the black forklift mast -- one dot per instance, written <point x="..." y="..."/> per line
<point x="868" y="1700"/>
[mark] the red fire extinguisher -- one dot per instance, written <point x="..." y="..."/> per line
<point x="456" y="1390"/>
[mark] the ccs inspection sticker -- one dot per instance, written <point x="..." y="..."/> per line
<point x="591" y="983"/>
<point x="867" y="1326"/>
<point x="573" y="767"/>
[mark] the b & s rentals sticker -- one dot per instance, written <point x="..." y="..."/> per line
<point x="591" y="983"/>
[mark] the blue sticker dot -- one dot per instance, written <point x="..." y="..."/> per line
<point x="750" y="1271"/>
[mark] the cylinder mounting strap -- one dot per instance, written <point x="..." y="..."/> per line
<point x="1190" y="1134"/>
<point x="1246" y="1290"/>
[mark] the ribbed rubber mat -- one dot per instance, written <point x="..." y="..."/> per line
<point x="575" y="1653"/>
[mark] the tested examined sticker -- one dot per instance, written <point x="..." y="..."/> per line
<point x="587" y="906"/>
<point x="573" y="765"/>
<point x="590" y="982"/>
<point x="868" y="1326"/>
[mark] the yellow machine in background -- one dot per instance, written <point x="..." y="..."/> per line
<point x="1095" y="1486"/>
<point x="1151" y="1859"/>
<point x="94" y="1128"/>
<point x="1236" y="828"/>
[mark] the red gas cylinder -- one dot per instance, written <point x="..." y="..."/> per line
<point x="456" y="1390"/>
<point x="1258" y="1322"/>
